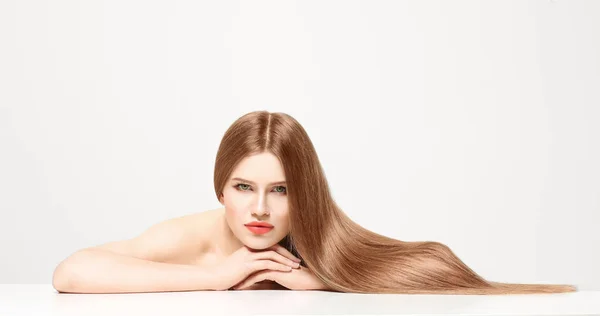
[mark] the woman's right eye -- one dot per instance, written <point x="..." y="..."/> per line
<point x="239" y="186"/>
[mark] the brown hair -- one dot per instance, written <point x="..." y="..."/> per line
<point x="343" y="255"/>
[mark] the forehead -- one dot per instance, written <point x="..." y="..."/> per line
<point x="262" y="168"/>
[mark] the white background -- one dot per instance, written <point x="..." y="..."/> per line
<point x="469" y="123"/>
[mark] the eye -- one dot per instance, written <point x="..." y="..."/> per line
<point x="242" y="184"/>
<point x="245" y="187"/>
<point x="283" y="188"/>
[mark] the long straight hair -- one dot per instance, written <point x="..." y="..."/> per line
<point x="343" y="255"/>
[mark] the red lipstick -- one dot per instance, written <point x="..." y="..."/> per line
<point x="259" y="227"/>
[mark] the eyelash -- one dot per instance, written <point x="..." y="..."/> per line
<point x="279" y="186"/>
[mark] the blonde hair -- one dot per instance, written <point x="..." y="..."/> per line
<point x="343" y="255"/>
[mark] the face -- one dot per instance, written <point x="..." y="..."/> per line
<point x="256" y="192"/>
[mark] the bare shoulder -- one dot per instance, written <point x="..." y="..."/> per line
<point x="180" y="239"/>
<point x="197" y="222"/>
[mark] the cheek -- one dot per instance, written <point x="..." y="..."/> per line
<point x="233" y="214"/>
<point x="285" y="221"/>
<point x="236" y="200"/>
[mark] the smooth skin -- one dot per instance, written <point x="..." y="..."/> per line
<point x="214" y="243"/>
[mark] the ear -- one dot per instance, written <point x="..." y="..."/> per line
<point x="221" y="199"/>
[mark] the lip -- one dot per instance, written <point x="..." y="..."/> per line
<point x="259" y="229"/>
<point x="259" y="224"/>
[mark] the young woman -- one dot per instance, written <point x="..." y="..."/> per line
<point x="279" y="227"/>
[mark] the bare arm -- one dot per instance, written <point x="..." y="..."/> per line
<point x="142" y="264"/>
<point x="101" y="271"/>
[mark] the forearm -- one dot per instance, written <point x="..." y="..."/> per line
<point x="100" y="271"/>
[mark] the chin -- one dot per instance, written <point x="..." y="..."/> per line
<point x="257" y="245"/>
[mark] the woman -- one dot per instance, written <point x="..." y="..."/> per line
<point x="279" y="227"/>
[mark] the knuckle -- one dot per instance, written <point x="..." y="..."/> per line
<point x="264" y="264"/>
<point x="255" y="266"/>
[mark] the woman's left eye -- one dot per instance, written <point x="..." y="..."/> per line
<point x="284" y="189"/>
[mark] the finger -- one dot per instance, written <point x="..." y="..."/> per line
<point x="247" y="283"/>
<point x="251" y="280"/>
<point x="275" y="256"/>
<point x="275" y="248"/>
<point x="267" y="264"/>
<point x="284" y="252"/>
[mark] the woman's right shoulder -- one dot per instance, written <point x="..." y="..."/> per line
<point x="198" y="226"/>
<point x="177" y="240"/>
<point x="201" y="219"/>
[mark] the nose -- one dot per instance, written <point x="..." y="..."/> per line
<point x="261" y="207"/>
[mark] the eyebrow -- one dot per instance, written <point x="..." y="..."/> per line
<point x="252" y="182"/>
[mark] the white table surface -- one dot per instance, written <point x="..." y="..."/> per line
<point x="42" y="299"/>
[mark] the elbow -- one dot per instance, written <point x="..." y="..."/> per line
<point x="61" y="280"/>
<point x="65" y="274"/>
<point x="63" y="277"/>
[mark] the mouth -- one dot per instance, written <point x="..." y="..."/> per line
<point x="259" y="227"/>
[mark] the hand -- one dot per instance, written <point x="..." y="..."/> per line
<point x="296" y="279"/>
<point x="245" y="261"/>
